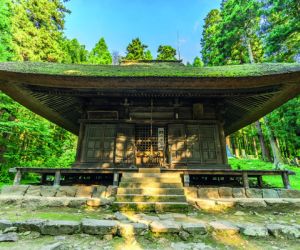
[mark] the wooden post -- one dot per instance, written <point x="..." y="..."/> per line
<point x="186" y="180"/>
<point x="116" y="179"/>
<point x="285" y="180"/>
<point x="43" y="178"/>
<point x="18" y="178"/>
<point x="245" y="180"/>
<point x="260" y="181"/>
<point x="57" y="178"/>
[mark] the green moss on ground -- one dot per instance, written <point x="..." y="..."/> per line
<point x="273" y="181"/>
<point x="155" y="70"/>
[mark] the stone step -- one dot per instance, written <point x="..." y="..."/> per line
<point x="151" y="191"/>
<point x="146" y="184"/>
<point x="152" y="179"/>
<point x="147" y="175"/>
<point x="149" y="170"/>
<point x="159" y="207"/>
<point x="149" y="198"/>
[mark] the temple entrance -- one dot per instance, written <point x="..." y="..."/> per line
<point x="150" y="144"/>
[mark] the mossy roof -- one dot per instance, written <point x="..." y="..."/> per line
<point x="151" y="70"/>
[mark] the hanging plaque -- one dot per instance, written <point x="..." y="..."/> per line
<point x="161" y="139"/>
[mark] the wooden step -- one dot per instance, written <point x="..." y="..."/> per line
<point x="152" y="179"/>
<point x="147" y="184"/>
<point x="149" y="175"/>
<point x="158" y="207"/>
<point x="149" y="170"/>
<point x="149" y="198"/>
<point x="151" y="191"/>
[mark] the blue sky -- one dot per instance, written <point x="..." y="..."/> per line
<point x="155" y="22"/>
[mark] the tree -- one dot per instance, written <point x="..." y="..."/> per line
<point x="198" y="62"/>
<point x="100" y="54"/>
<point x="6" y="53"/>
<point x="281" y="30"/>
<point x="166" y="52"/>
<point x="210" y="36"/>
<point x="74" y="52"/>
<point x="136" y="50"/>
<point x="148" y="55"/>
<point x="37" y="29"/>
<point x="239" y="42"/>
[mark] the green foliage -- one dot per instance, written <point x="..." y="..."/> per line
<point x="74" y="52"/>
<point x="100" y="54"/>
<point x="281" y="30"/>
<point x="273" y="181"/>
<point x="166" y="52"/>
<point x="148" y="55"/>
<point x="198" y="62"/>
<point x="6" y="53"/>
<point x="37" y="30"/>
<point x="136" y="50"/>
<point x="29" y="140"/>
<point x="209" y="42"/>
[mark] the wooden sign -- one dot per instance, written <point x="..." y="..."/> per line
<point x="161" y="139"/>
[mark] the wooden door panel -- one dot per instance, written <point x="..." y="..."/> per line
<point x="176" y="141"/>
<point x="125" y="144"/>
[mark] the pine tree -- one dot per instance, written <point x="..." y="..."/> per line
<point x="74" y="52"/>
<point x="5" y="31"/>
<point x="100" y="54"/>
<point x="166" y="52"/>
<point x="37" y="30"/>
<point x="148" y="55"/>
<point x="210" y="36"/>
<point x="281" y="30"/>
<point x="198" y="62"/>
<point x="136" y="50"/>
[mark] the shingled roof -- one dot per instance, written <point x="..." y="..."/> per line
<point x="56" y="91"/>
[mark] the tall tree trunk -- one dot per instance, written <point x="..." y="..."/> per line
<point x="264" y="150"/>
<point x="250" y="52"/>
<point x="274" y="146"/>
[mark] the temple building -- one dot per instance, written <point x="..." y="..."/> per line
<point x="158" y="114"/>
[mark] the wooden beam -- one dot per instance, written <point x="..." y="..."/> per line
<point x="57" y="178"/>
<point x="186" y="180"/>
<point x="245" y="180"/>
<point x="260" y="181"/>
<point x="285" y="180"/>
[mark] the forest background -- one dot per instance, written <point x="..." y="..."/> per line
<point x="239" y="32"/>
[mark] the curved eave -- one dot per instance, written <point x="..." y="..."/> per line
<point x="288" y="82"/>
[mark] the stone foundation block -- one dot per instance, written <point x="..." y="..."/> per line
<point x="33" y="191"/>
<point x="30" y="225"/>
<point x="18" y="190"/>
<point x="252" y="203"/>
<point x="286" y="193"/>
<point x="66" y="191"/>
<point x="238" y="193"/>
<point x="85" y="191"/>
<point x="224" y="228"/>
<point x="5" y="224"/>
<point x="208" y="193"/>
<point x="225" y="192"/>
<point x="194" y="228"/>
<point x="55" y="228"/>
<point x="270" y="193"/>
<point x="283" y="231"/>
<point x="254" y="230"/>
<point x="48" y="191"/>
<point x="165" y="226"/>
<point x="131" y="229"/>
<point x="253" y="193"/>
<point x="99" y="227"/>
<point x="99" y="192"/>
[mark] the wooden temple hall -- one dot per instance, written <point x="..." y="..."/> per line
<point x="168" y="117"/>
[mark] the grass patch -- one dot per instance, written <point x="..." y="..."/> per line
<point x="273" y="181"/>
<point x="153" y="70"/>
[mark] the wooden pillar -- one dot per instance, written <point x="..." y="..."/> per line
<point x="186" y="180"/>
<point x="80" y="143"/>
<point x="57" y="178"/>
<point x="18" y="178"/>
<point x="260" y="181"/>
<point x="285" y="180"/>
<point x="43" y="178"/>
<point x="116" y="179"/>
<point x="245" y="180"/>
